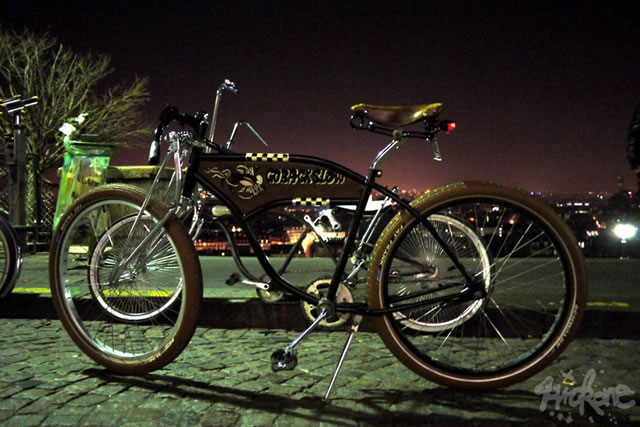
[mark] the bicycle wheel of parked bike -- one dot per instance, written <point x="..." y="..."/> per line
<point x="297" y="253"/>
<point x="132" y="312"/>
<point x="535" y="296"/>
<point x="10" y="258"/>
<point x="157" y="260"/>
<point x="436" y="270"/>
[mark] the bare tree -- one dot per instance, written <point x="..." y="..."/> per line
<point x="67" y="84"/>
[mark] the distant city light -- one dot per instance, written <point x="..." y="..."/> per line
<point x="625" y="231"/>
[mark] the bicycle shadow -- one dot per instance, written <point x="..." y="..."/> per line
<point x="388" y="406"/>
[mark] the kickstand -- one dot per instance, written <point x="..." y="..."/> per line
<point x="354" y="328"/>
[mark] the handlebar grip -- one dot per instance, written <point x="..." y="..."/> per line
<point x="154" y="152"/>
<point x="168" y="114"/>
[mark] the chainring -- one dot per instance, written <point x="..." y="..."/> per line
<point x="319" y="288"/>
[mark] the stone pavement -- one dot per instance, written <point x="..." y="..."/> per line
<point x="223" y="378"/>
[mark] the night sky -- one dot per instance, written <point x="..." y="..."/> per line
<point x="542" y="92"/>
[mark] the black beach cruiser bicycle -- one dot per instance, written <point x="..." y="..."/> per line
<point x="473" y="285"/>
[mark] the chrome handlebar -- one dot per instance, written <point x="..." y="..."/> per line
<point x="227" y="85"/>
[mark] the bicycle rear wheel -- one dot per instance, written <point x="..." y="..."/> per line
<point x="131" y="314"/>
<point x="10" y="258"/>
<point x="535" y="297"/>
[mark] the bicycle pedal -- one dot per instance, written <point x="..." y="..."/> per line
<point x="260" y="285"/>
<point x="233" y="279"/>
<point x="284" y="360"/>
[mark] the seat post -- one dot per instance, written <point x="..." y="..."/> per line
<point x="398" y="139"/>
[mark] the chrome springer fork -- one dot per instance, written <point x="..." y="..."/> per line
<point x="154" y="237"/>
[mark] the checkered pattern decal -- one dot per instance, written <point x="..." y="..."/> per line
<point x="267" y="157"/>
<point x="310" y="201"/>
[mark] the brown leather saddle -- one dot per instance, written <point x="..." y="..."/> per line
<point x="397" y="116"/>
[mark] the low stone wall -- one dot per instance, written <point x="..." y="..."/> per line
<point x="140" y="176"/>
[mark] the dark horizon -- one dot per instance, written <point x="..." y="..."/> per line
<point x="542" y="94"/>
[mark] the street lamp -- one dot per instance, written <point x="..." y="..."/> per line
<point x="624" y="231"/>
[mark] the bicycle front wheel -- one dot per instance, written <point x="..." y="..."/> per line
<point x="132" y="312"/>
<point x="535" y="286"/>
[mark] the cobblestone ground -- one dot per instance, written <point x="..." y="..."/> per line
<point x="223" y="378"/>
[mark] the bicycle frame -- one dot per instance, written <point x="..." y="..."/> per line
<point x="319" y="178"/>
<point x="237" y="180"/>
